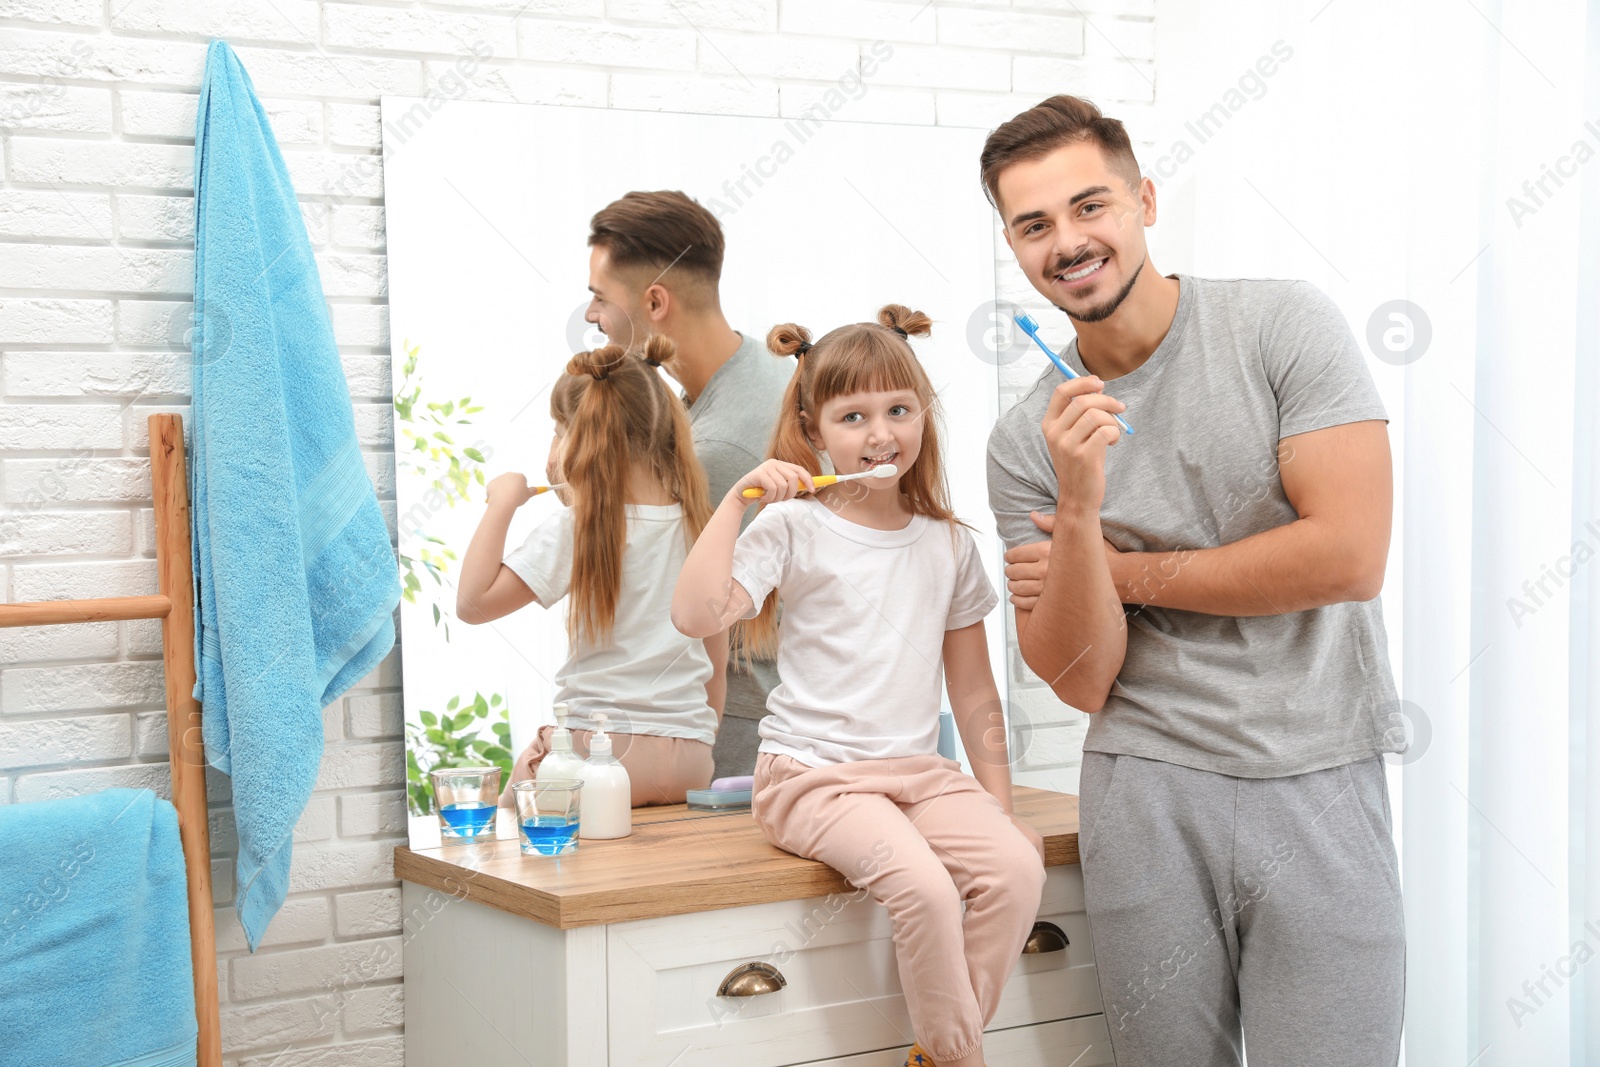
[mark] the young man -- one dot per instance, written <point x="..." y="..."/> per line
<point x="655" y="266"/>
<point x="1207" y="589"/>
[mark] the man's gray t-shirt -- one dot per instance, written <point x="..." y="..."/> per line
<point x="733" y="418"/>
<point x="1245" y="363"/>
<point x="734" y="414"/>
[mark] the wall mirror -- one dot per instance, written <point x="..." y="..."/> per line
<point x="488" y="208"/>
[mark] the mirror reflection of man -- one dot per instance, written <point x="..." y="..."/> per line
<point x="1208" y="589"/>
<point x="654" y="267"/>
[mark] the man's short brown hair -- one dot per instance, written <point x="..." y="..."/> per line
<point x="662" y="231"/>
<point x="1045" y="127"/>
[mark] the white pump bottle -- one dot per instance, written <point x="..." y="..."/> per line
<point x="606" y="805"/>
<point x="560" y="761"/>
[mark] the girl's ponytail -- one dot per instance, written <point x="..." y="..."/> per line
<point x="904" y="321"/>
<point x="789" y="441"/>
<point x="619" y="414"/>
<point x="757" y="638"/>
<point x="659" y="349"/>
<point x="677" y="467"/>
<point x="596" y="464"/>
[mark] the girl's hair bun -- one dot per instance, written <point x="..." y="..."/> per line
<point x="597" y="363"/>
<point x="787" y="339"/>
<point x="902" y="319"/>
<point x="659" y="349"/>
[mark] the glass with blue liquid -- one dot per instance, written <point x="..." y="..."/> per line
<point x="547" y="816"/>
<point x="466" y="797"/>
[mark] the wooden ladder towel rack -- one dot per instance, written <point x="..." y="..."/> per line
<point x="174" y="606"/>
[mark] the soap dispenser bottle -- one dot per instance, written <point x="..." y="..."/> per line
<point x="560" y="761"/>
<point x="606" y="807"/>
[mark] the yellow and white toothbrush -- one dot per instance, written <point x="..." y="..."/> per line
<point x="887" y="470"/>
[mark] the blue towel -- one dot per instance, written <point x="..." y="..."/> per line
<point x="94" y="934"/>
<point x="297" y="579"/>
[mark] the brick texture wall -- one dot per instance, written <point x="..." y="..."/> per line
<point x="97" y="105"/>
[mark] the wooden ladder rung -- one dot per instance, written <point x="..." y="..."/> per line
<point x="101" y="609"/>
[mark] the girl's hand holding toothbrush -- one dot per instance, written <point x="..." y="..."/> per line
<point x="706" y="599"/>
<point x="508" y="490"/>
<point x="776" y="479"/>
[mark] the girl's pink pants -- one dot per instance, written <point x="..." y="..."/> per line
<point x="922" y="837"/>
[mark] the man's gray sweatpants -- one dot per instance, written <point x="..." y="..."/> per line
<point x="1220" y="904"/>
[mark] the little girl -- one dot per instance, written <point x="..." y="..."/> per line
<point x="624" y="450"/>
<point x="882" y="592"/>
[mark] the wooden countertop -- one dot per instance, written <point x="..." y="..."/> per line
<point x="676" y="861"/>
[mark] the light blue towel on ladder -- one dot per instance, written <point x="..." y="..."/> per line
<point x="94" y="934"/>
<point x="296" y="578"/>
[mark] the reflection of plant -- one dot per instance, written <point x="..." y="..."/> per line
<point x="432" y="456"/>
<point x="453" y="739"/>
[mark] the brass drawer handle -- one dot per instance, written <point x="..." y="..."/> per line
<point x="751" y="980"/>
<point x="1046" y="937"/>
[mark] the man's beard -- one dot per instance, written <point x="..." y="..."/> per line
<point x="1106" y="310"/>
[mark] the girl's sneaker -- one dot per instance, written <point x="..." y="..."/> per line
<point x="918" y="1058"/>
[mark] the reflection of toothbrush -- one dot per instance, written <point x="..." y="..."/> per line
<point x="1031" y="328"/>
<point x="887" y="470"/>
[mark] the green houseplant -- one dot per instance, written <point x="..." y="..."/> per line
<point x="455" y="738"/>
<point x="428" y="452"/>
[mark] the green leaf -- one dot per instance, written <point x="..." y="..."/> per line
<point x="473" y="454"/>
<point x="428" y="718"/>
<point x="454" y="703"/>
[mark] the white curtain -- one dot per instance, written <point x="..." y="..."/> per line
<point x="1434" y="165"/>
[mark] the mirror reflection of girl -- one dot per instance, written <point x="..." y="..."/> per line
<point x="638" y="497"/>
<point x="883" y="591"/>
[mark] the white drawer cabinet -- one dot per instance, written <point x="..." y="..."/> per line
<point x="1068" y="1043"/>
<point x="483" y="985"/>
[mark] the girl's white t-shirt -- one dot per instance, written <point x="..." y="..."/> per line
<point x="650" y="679"/>
<point x="861" y="649"/>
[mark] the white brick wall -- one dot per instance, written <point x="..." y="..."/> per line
<point x="97" y="106"/>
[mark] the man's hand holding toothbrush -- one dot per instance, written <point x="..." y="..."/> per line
<point x="1074" y="635"/>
